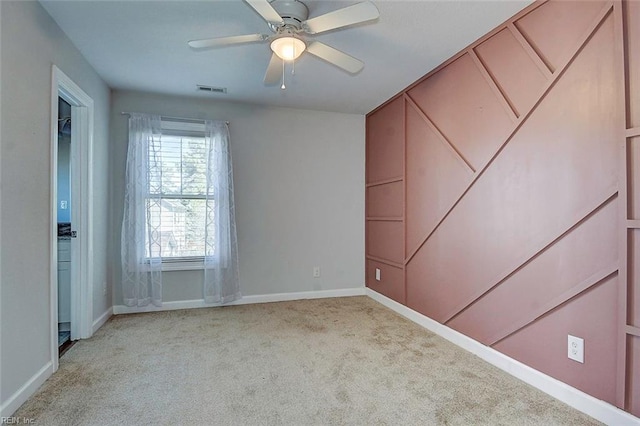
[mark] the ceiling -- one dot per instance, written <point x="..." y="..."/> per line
<point x="142" y="45"/>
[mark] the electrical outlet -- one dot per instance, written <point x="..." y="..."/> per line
<point x="377" y="274"/>
<point x="316" y="272"/>
<point x="104" y="288"/>
<point x="64" y="204"/>
<point x="575" y="348"/>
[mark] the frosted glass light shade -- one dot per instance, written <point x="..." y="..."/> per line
<point x="288" y="48"/>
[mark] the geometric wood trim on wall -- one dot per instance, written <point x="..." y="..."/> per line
<point x="553" y="29"/>
<point x="550" y="332"/>
<point x="633" y="399"/>
<point x="513" y="69"/>
<point x="632" y="47"/>
<point x="432" y="192"/>
<point x="462" y="93"/>
<point x="385" y="139"/>
<point x="562" y="270"/>
<point x="384" y="200"/>
<point x="512" y="194"/>
<point x="630" y="360"/>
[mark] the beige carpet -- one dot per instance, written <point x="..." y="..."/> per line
<point x="312" y="362"/>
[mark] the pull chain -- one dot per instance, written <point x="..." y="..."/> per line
<point x="283" y="86"/>
<point x="293" y="65"/>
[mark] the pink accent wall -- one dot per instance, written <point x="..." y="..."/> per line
<point x="462" y="95"/>
<point x="631" y="48"/>
<point x="564" y="270"/>
<point x="385" y="137"/>
<point x="384" y="240"/>
<point x="633" y="148"/>
<point x="500" y="186"/>
<point x="597" y="376"/>
<point x="634" y="379"/>
<point x="385" y="229"/>
<point x="391" y="282"/>
<point x="634" y="277"/>
<point x="632" y="39"/>
<point x="516" y="74"/>
<point x="433" y="190"/>
<point x="385" y="201"/>
<point x="555" y="29"/>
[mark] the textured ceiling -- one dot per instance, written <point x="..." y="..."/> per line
<point x="141" y="45"/>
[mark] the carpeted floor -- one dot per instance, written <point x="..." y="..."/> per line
<point x="311" y="362"/>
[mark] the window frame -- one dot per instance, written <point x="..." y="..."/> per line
<point x="180" y="128"/>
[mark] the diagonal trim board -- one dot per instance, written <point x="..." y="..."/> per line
<point x="556" y="303"/>
<point x="597" y="22"/>
<point x="442" y="138"/>
<point x="507" y="105"/>
<point x="436" y="281"/>
<point x="578" y="219"/>
<point x="537" y="60"/>
<point x="596" y="408"/>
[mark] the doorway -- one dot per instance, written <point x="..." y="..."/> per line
<point x="64" y="205"/>
<point x="71" y="213"/>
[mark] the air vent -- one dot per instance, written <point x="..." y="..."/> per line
<point x="212" y="89"/>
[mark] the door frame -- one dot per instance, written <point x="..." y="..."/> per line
<point x="82" y="114"/>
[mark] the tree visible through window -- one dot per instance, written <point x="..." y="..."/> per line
<point x="178" y="208"/>
<point x="177" y="196"/>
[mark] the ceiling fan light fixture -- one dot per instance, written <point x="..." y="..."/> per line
<point x="288" y="48"/>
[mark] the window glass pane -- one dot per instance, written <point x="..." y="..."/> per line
<point x="179" y="224"/>
<point x="171" y="160"/>
<point x="178" y="183"/>
<point x="183" y="164"/>
<point x="194" y="166"/>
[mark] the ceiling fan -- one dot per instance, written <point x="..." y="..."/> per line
<point x="288" y="20"/>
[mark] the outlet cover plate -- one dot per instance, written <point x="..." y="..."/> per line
<point x="377" y="274"/>
<point x="575" y="348"/>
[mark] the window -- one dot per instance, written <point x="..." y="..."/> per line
<point x="178" y="208"/>
<point x="176" y="203"/>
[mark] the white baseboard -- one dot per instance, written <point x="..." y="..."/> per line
<point x="245" y="300"/>
<point x="283" y="297"/>
<point x="21" y="395"/>
<point x="596" y="408"/>
<point x="102" y="319"/>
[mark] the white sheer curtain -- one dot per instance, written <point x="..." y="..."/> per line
<point x="141" y="240"/>
<point x="221" y="248"/>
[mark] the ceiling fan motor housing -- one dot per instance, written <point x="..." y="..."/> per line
<point x="293" y="12"/>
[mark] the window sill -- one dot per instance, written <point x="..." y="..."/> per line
<point x="184" y="265"/>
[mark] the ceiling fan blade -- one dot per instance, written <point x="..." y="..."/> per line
<point x="274" y="71"/>
<point x="335" y="57"/>
<point x="351" y="15"/>
<point x="226" y="41"/>
<point x="264" y="9"/>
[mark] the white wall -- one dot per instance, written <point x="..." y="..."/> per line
<point x="30" y="43"/>
<point x="299" y="192"/>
